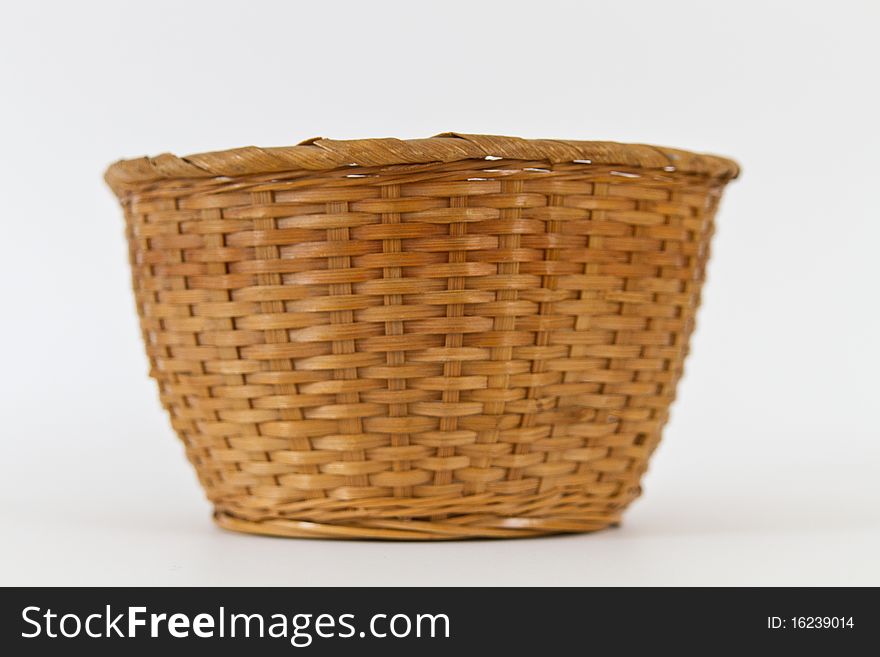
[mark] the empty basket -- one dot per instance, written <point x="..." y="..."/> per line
<point x="461" y="336"/>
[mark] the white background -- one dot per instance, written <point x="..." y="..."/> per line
<point x="769" y="472"/>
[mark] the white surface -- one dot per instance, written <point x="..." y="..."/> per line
<point x="768" y="473"/>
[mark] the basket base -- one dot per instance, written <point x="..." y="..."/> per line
<point x="417" y="530"/>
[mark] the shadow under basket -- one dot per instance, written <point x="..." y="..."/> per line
<point x="456" y="337"/>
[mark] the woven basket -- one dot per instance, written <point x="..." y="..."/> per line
<point x="461" y="336"/>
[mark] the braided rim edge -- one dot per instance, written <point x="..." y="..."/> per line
<point x="323" y="154"/>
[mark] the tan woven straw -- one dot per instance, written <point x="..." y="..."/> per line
<point x="461" y="336"/>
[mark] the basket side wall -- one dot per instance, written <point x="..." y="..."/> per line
<point x="433" y="351"/>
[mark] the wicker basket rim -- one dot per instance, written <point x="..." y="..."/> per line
<point x="319" y="154"/>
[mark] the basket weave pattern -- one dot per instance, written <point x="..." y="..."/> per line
<point x="457" y="337"/>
